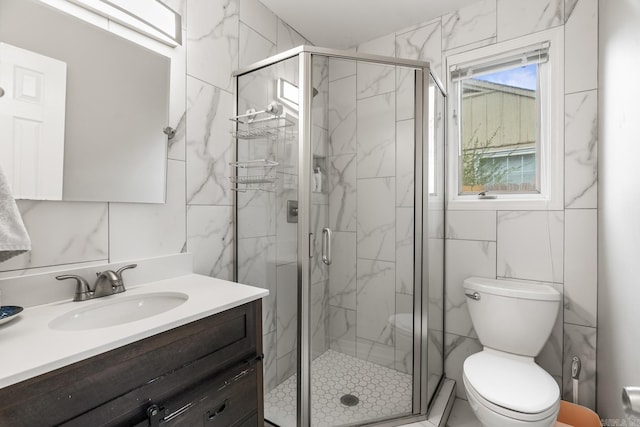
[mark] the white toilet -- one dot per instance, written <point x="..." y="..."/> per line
<point x="513" y="320"/>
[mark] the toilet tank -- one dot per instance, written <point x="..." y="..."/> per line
<point x="512" y="315"/>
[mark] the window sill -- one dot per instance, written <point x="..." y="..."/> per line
<point x="504" y="203"/>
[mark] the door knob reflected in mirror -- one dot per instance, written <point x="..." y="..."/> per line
<point x="631" y="401"/>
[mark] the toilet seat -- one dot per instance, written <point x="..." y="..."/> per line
<point x="511" y="385"/>
<point x="520" y="416"/>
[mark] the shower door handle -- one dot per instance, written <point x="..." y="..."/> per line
<point x="326" y="245"/>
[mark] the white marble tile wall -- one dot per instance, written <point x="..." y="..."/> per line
<point x="287" y="306"/>
<point x="558" y="247"/>
<point x="342" y="330"/>
<point x="423" y="43"/>
<point x="254" y="46"/>
<point x="212" y="41"/>
<point x="319" y="318"/>
<point x="405" y="158"/>
<point x="375" y="79"/>
<point x="402" y="337"/>
<point x="209" y="143"/>
<point x="581" y="150"/>
<point x="371" y="200"/>
<point x="580" y="341"/>
<point x="530" y="245"/>
<point x="456" y="349"/>
<point x="581" y="45"/>
<point x="465" y="258"/>
<point x="342" y="113"/>
<point x="376" y="219"/>
<point x="520" y="17"/>
<point x="581" y="267"/>
<point x="133" y="228"/>
<point x="470" y="24"/>
<point x="210" y="239"/>
<point x="375" y="300"/>
<point x="404" y="250"/>
<point x="342" y="274"/>
<point x="376" y="136"/>
<point x="62" y="233"/>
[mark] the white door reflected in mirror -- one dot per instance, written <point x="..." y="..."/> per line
<point x="32" y="119"/>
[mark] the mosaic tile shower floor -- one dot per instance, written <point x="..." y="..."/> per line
<point x="382" y="392"/>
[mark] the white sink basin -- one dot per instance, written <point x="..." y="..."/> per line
<point x="116" y="310"/>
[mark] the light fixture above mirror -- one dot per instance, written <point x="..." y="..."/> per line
<point x="149" y="17"/>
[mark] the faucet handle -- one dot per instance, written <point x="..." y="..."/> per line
<point x="126" y="267"/>
<point x="83" y="290"/>
<point x="120" y="287"/>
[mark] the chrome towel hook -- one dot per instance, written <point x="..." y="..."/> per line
<point x="169" y="131"/>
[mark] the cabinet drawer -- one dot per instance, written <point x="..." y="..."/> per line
<point x="217" y="405"/>
<point x="198" y="350"/>
<point x="179" y="400"/>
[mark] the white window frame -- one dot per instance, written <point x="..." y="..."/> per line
<point x="551" y="156"/>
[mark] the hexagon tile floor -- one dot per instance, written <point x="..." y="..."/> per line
<point x="382" y="392"/>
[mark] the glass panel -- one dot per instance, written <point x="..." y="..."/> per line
<point x="435" y="246"/>
<point x="499" y="122"/>
<point x="362" y="303"/>
<point x="266" y="174"/>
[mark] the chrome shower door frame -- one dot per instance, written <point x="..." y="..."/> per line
<point x="305" y="237"/>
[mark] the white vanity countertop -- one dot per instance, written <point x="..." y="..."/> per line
<point x="30" y="347"/>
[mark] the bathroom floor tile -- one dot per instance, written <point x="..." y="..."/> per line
<point x="462" y="415"/>
<point x="382" y="392"/>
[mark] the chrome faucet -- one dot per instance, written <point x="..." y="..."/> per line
<point x="108" y="282"/>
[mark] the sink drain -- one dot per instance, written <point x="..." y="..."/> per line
<point x="349" y="400"/>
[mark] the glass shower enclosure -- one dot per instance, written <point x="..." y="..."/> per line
<point x="339" y="211"/>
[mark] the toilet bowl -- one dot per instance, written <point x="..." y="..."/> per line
<point x="504" y="385"/>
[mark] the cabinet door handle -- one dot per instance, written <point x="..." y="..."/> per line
<point x="153" y="412"/>
<point x="211" y="415"/>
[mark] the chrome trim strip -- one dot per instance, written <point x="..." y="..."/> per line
<point x="438" y="83"/>
<point x="419" y="370"/>
<point x="234" y="158"/>
<point x="269" y="61"/>
<point x="305" y="160"/>
<point x="423" y="256"/>
<point x="389" y="60"/>
<point x="332" y="53"/>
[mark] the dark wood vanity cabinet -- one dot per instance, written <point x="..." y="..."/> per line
<point x="205" y="373"/>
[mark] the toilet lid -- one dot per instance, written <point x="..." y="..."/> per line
<point x="511" y="382"/>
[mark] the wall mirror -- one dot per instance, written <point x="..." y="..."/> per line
<point x="115" y="106"/>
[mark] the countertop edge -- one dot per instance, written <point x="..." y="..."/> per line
<point x="249" y="294"/>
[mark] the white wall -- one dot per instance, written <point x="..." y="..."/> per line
<point x="619" y="207"/>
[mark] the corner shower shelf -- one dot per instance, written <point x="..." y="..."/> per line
<point x="259" y="163"/>
<point x="263" y="182"/>
<point x="268" y="123"/>
<point x="253" y="179"/>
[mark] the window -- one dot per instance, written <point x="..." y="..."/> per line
<point x="506" y="124"/>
